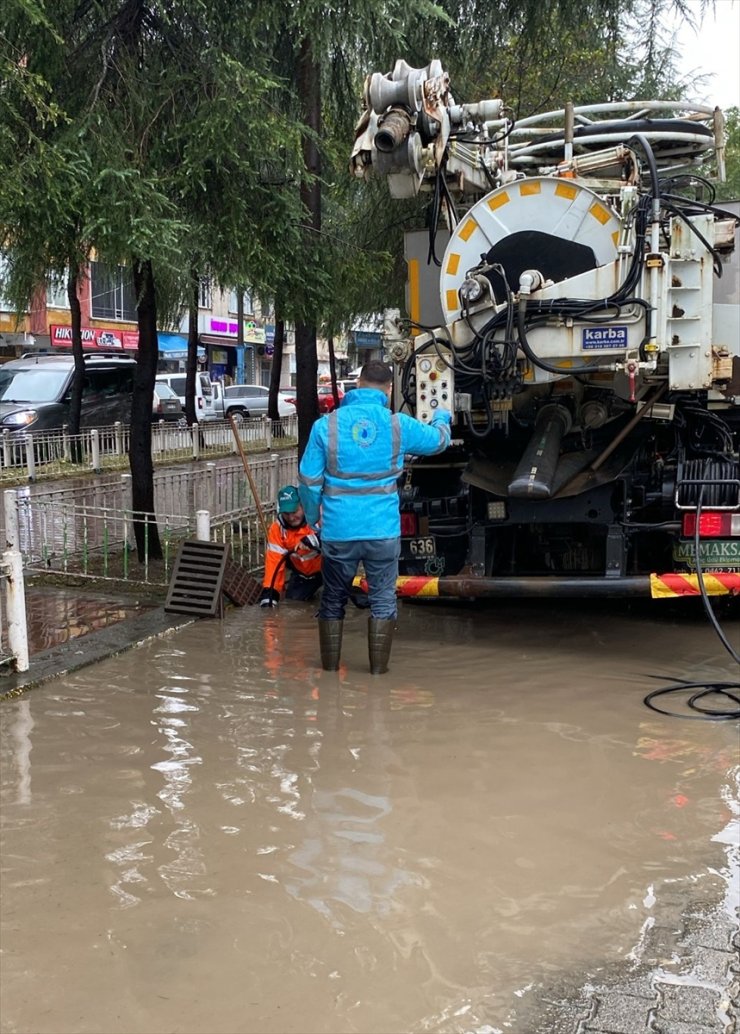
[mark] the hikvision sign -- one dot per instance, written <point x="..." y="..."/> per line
<point x="94" y="337"/>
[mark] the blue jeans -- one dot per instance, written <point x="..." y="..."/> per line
<point x="339" y="566"/>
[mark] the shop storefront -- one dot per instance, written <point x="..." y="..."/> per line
<point x="173" y="352"/>
<point x="225" y="358"/>
<point x="368" y="344"/>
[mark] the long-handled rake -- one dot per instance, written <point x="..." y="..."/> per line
<point x="238" y="582"/>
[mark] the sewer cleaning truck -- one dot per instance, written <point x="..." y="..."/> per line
<point x="572" y="299"/>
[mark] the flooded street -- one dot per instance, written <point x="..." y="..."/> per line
<point x="56" y="615"/>
<point x="209" y="834"/>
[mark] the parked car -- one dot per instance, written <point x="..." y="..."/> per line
<point x="166" y="405"/>
<point x="36" y="392"/>
<point x="326" y="397"/>
<point x="203" y="392"/>
<point x="246" y="401"/>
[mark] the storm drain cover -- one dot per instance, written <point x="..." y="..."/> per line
<point x="197" y="578"/>
<point x="240" y="586"/>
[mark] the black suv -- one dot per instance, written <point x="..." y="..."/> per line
<point x="35" y="391"/>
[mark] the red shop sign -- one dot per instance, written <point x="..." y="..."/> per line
<point x="93" y="337"/>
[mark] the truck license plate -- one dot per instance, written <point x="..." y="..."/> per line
<point x="422" y="547"/>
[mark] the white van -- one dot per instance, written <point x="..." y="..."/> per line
<point x="203" y="392"/>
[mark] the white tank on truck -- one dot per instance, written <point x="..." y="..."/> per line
<point x="574" y="303"/>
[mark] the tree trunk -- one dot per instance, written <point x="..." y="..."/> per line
<point x="75" y="406"/>
<point x="307" y="365"/>
<point x="240" y="364"/>
<point x="277" y="371"/>
<point x="140" y="455"/>
<point x="333" y="370"/>
<point x="191" y="363"/>
<point x="307" y="372"/>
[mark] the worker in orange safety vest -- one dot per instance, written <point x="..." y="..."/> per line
<point x="293" y="547"/>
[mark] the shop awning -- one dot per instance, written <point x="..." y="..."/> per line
<point x="221" y="341"/>
<point x="175" y="346"/>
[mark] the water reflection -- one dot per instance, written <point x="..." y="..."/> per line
<point x="20" y="730"/>
<point x="56" y="616"/>
<point x="342" y="856"/>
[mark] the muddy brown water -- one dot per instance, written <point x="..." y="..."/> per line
<point x="209" y="834"/>
<point x="58" y="615"/>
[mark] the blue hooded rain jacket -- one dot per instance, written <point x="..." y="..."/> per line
<point x="352" y="463"/>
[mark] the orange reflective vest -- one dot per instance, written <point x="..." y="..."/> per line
<point x="285" y="549"/>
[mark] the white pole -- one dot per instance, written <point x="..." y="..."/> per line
<point x="12" y="533"/>
<point x="15" y="602"/>
<point x="95" y="446"/>
<point x="274" y="473"/>
<point x="203" y="525"/>
<point x="30" y="458"/>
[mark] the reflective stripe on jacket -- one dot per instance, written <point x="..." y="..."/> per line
<point x="353" y="461"/>
<point x="305" y="557"/>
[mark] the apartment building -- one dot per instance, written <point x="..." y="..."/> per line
<point x="109" y="324"/>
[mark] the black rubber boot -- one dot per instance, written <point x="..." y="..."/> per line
<point x="330" y="639"/>
<point x="379" y="641"/>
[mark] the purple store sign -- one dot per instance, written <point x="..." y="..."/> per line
<point x="252" y="333"/>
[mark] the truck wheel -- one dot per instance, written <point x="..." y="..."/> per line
<point x="240" y="416"/>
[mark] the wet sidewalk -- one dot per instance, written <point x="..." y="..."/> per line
<point x="206" y="833"/>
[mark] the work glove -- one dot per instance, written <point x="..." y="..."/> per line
<point x="308" y="542"/>
<point x="441" y="416"/>
<point x="269" y="598"/>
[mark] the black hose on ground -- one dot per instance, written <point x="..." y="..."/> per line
<point x="710" y="690"/>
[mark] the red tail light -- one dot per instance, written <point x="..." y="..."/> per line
<point x="200" y="403"/>
<point x="713" y="524"/>
<point x="408" y="524"/>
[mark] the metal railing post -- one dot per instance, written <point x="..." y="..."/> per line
<point x="118" y="434"/>
<point x="15" y="605"/>
<point x="7" y="460"/>
<point x="95" y="449"/>
<point x="30" y="458"/>
<point x="195" y="438"/>
<point x="274" y="474"/>
<point x="211" y="486"/>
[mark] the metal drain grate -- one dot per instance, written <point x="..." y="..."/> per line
<point x="240" y="586"/>
<point x="197" y="578"/>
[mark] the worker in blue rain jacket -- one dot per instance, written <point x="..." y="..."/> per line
<point x="349" y="477"/>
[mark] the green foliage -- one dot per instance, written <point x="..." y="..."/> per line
<point x="730" y="190"/>
<point x="173" y="132"/>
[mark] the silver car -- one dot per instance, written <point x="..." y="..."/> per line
<point x="251" y="400"/>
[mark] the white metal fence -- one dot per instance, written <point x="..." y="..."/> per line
<point x="88" y="529"/>
<point x="47" y="454"/>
